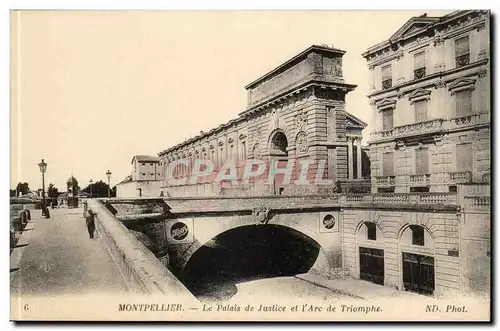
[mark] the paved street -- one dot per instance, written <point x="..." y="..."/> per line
<point x="271" y="289"/>
<point x="55" y="256"/>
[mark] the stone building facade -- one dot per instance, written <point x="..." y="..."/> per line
<point x="295" y="112"/>
<point x="430" y="85"/>
<point x="426" y="227"/>
<point x="144" y="179"/>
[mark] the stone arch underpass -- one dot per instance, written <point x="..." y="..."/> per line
<point x="237" y="248"/>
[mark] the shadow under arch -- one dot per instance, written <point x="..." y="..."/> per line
<point x="407" y="226"/>
<point x="246" y="253"/>
<point x="278" y="142"/>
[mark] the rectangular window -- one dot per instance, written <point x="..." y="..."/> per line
<point x="419" y="189"/>
<point x="462" y="51"/>
<point x="243" y="150"/>
<point x="463" y="103"/>
<point x="420" y="111"/>
<point x="419" y="65"/>
<point x="371" y="231"/>
<point x="388" y="164"/>
<point x="387" y="120"/>
<point x="422" y="161"/>
<point x="418" y="235"/>
<point x="464" y="157"/>
<point x="386" y="77"/>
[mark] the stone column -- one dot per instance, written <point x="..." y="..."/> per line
<point x="359" y="157"/>
<point x="350" y="163"/>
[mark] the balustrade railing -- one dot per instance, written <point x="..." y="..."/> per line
<point x="421" y="179"/>
<point x="477" y="202"/>
<point x="460" y="177"/>
<point x="385" y="180"/>
<point x="418" y="128"/>
<point x="437" y="198"/>
<point x="392" y="198"/>
<point x="420" y="198"/>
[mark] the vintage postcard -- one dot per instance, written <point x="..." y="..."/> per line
<point x="250" y="166"/>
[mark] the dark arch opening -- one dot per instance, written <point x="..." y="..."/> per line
<point x="247" y="253"/>
<point x="279" y="144"/>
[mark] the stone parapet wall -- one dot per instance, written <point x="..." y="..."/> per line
<point x="140" y="269"/>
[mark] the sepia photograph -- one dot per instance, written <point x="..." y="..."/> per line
<point x="278" y="166"/>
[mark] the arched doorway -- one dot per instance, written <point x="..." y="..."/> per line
<point x="370" y="242"/>
<point x="417" y="258"/>
<point x="278" y="156"/>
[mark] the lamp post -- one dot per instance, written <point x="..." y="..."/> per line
<point x="43" y="168"/>
<point x="90" y="186"/>
<point x="109" y="178"/>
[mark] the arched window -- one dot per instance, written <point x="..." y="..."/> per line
<point x="417" y="235"/>
<point x="279" y="144"/>
<point x="371" y="231"/>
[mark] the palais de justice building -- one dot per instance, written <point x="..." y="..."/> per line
<point x="296" y="111"/>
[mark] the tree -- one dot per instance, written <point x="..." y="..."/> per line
<point x="12" y="193"/>
<point x="52" y="192"/>
<point x="99" y="190"/>
<point x="22" y="188"/>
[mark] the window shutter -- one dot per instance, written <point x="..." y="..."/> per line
<point x="388" y="166"/>
<point x="387" y="72"/>
<point x="422" y="161"/>
<point x="462" y="46"/>
<point x="463" y="103"/>
<point x="387" y="119"/>
<point x="420" y="111"/>
<point x="464" y="157"/>
<point x="419" y="60"/>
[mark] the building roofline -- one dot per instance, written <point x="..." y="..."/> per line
<point x="433" y="22"/>
<point x="147" y="158"/>
<point x="357" y="119"/>
<point x="293" y="61"/>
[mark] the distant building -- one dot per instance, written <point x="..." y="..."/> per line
<point x="144" y="180"/>
<point x="145" y="167"/>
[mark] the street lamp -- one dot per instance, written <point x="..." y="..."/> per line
<point x="90" y="185"/>
<point x="109" y="178"/>
<point x="43" y="168"/>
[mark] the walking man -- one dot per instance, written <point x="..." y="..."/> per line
<point x="89" y="219"/>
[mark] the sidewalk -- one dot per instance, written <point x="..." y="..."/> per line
<point x="356" y="288"/>
<point x="55" y="256"/>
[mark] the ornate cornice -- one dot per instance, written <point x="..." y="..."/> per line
<point x="462" y="83"/>
<point x="418" y="95"/>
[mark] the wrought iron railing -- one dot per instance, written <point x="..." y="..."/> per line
<point x="419" y="73"/>
<point x="387" y="84"/>
<point x="462" y="60"/>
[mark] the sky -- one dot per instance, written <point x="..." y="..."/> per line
<point x="90" y="89"/>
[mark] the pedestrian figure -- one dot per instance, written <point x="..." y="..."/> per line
<point x="90" y="223"/>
